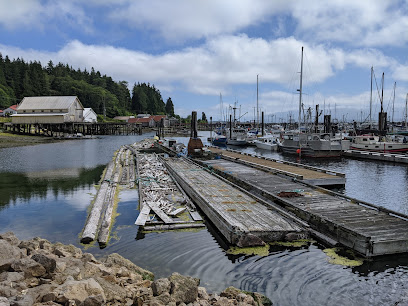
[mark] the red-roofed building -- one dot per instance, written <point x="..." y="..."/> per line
<point x="11" y="110"/>
<point x="145" y="122"/>
<point x="157" y="119"/>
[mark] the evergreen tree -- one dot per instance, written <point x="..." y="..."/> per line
<point x="169" y="107"/>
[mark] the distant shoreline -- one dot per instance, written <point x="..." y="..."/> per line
<point x="8" y="140"/>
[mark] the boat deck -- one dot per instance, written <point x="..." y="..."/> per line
<point x="364" y="227"/>
<point x="311" y="175"/>
<point x="240" y="218"/>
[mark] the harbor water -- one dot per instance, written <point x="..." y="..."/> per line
<point x="45" y="191"/>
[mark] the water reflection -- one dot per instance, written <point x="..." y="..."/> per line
<point x="23" y="187"/>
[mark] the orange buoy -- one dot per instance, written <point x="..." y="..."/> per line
<point x="298" y="151"/>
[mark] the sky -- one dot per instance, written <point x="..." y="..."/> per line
<point x="206" y="54"/>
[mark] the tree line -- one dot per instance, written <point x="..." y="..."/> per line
<point x="19" y="79"/>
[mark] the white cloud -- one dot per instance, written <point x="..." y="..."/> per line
<point x="401" y="73"/>
<point x="213" y="66"/>
<point x="40" y="14"/>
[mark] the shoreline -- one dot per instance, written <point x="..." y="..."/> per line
<point x="9" y="140"/>
<point x="38" y="272"/>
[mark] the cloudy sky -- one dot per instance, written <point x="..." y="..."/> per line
<point x="193" y="50"/>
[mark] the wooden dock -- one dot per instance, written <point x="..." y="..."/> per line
<point x="368" y="229"/>
<point x="241" y="219"/>
<point x="308" y="174"/>
<point x="389" y="157"/>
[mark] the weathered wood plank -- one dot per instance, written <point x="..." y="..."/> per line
<point x="143" y="216"/>
<point x="159" y="212"/>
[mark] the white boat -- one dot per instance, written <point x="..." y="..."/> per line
<point x="373" y="144"/>
<point x="269" y="142"/>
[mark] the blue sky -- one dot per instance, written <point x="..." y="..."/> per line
<point x="194" y="50"/>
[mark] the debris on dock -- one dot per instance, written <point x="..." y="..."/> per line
<point x="160" y="197"/>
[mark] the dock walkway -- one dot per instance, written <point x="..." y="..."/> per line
<point x="364" y="227"/>
<point x="389" y="157"/>
<point x="311" y="175"/>
<point x="240" y="218"/>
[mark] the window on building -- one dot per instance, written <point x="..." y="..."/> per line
<point x="33" y="111"/>
<point x="42" y="110"/>
<point x="24" y="111"/>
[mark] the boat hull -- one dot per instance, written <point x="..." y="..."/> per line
<point x="266" y="146"/>
<point x="309" y="152"/>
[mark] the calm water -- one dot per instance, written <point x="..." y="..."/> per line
<point x="45" y="191"/>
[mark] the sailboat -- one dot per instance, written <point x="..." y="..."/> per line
<point x="310" y="144"/>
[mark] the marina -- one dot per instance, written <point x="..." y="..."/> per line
<point x="52" y="190"/>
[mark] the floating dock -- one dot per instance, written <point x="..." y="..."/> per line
<point x="242" y="219"/>
<point x="389" y="157"/>
<point x="308" y="174"/>
<point x="368" y="229"/>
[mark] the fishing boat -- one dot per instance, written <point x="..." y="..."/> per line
<point x="237" y="137"/>
<point x="268" y="142"/>
<point x="373" y="143"/>
<point x="219" y="140"/>
<point x="309" y="144"/>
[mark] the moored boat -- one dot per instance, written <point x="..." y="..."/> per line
<point x="374" y="144"/>
<point x="269" y="142"/>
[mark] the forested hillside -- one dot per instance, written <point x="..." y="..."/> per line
<point x="19" y="79"/>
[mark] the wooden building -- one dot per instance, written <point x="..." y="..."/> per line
<point x="90" y="115"/>
<point x="53" y="109"/>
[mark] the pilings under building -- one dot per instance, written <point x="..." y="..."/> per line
<point x="74" y="128"/>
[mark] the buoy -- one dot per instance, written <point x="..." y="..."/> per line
<point x="298" y="151"/>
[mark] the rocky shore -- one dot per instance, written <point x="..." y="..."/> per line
<point x="37" y="272"/>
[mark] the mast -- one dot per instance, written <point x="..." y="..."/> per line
<point x="371" y="96"/>
<point x="406" y="109"/>
<point x="393" y="101"/>
<point x="257" y="104"/>
<point x="382" y="92"/>
<point x="300" y="91"/>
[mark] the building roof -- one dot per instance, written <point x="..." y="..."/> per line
<point x="157" y="118"/>
<point x="39" y="115"/>
<point x="123" y="118"/>
<point x="52" y="102"/>
<point x="13" y="107"/>
<point x="140" y="120"/>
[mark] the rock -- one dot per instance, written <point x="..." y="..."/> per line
<point x="223" y="301"/>
<point x="7" y="290"/>
<point x="48" y="263"/>
<point x="34" y="245"/>
<point x="230" y="293"/>
<point x="249" y="240"/>
<point x="161" y="286"/>
<point x="88" y="257"/>
<point x="111" y="289"/>
<point x="245" y="299"/>
<point x="25" y="300"/>
<point x="11" y="276"/>
<point x="63" y="250"/>
<point x="202" y="293"/>
<point x="10" y="238"/>
<point x="30" y="267"/>
<point x="94" y="300"/>
<point x="8" y="253"/>
<point x="73" y="290"/>
<point x="119" y="261"/>
<point x="4" y="301"/>
<point x="184" y="288"/>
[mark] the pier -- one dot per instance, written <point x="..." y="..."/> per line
<point x="308" y="174"/>
<point x="366" y="228"/>
<point x="389" y="157"/>
<point x="242" y="219"/>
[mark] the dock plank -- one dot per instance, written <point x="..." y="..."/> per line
<point x="236" y="214"/>
<point x="369" y="230"/>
